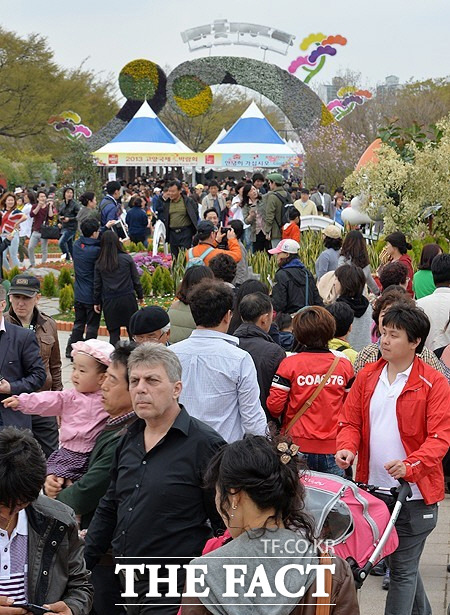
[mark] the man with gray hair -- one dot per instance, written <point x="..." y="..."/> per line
<point x="156" y="505"/>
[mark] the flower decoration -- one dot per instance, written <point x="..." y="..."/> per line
<point x="69" y="124"/>
<point x="348" y="98"/>
<point x="192" y="95"/>
<point x="141" y="80"/>
<point x="314" y="62"/>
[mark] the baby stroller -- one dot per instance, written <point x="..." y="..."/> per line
<point x="351" y="521"/>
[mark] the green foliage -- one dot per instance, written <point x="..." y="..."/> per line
<point x="13" y="272"/>
<point x="33" y="88"/>
<point x="76" y="168"/>
<point x="48" y="286"/>
<point x="401" y="139"/>
<point x="158" y="281"/>
<point x="65" y="277"/>
<point x="178" y="268"/>
<point x="167" y="282"/>
<point x="130" y="246"/>
<point x="140" y="247"/>
<point x="66" y="298"/>
<point x="146" y="281"/>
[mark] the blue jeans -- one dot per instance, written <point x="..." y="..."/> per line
<point x="66" y="242"/>
<point x="323" y="463"/>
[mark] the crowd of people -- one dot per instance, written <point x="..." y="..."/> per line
<point x="202" y="421"/>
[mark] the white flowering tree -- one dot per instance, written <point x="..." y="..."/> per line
<point x="404" y="182"/>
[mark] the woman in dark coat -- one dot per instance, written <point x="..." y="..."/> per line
<point x="67" y="217"/>
<point x="116" y="284"/>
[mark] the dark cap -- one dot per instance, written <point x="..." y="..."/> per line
<point x="149" y="319"/>
<point x="27" y="285"/>
<point x="205" y="227"/>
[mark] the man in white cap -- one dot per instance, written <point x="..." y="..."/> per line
<point x="294" y="283"/>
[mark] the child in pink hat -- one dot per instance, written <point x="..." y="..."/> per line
<point x="81" y="409"/>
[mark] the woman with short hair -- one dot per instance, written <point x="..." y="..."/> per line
<point x="350" y="288"/>
<point x="296" y="381"/>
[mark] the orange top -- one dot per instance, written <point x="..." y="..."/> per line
<point x="234" y="251"/>
<point x="291" y="231"/>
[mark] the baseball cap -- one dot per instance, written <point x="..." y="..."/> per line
<point x="276" y="177"/>
<point x="148" y="319"/>
<point x="332" y="231"/>
<point x="156" y="189"/>
<point x="18" y="190"/>
<point x="200" y="186"/>
<point x="205" y="227"/>
<point x="27" y="285"/>
<point x="290" y="246"/>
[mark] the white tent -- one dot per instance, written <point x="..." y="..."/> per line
<point x="145" y="140"/>
<point x="251" y="142"/>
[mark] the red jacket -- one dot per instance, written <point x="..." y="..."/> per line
<point x="423" y="420"/>
<point x="296" y="379"/>
<point x="406" y="260"/>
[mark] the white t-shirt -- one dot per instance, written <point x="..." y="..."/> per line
<point x="25" y="227"/>
<point x="385" y="441"/>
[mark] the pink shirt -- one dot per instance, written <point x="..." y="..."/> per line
<point x="82" y="415"/>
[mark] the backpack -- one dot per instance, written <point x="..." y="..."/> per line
<point x="287" y="207"/>
<point x="195" y="261"/>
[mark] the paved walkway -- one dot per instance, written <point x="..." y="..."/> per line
<point x="434" y="561"/>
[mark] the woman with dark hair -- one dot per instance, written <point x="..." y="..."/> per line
<point x="10" y="218"/>
<point x="246" y="288"/>
<point x="29" y="200"/>
<point x="137" y="221"/>
<point x="423" y="283"/>
<point x="350" y="287"/>
<point x="328" y="259"/>
<point x="88" y="208"/>
<point x="354" y="250"/>
<point x="371" y="352"/>
<point x="67" y="216"/>
<point x="116" y="284"/>
<point x="252" y="213"/>
<point x="181" y="322"/>
<point x="396" y="248"/>
<point x="262" y="503"/>
<point x="298" y="378"/>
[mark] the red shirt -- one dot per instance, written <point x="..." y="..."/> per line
<point x="296" y="379"/>
<point x="406" y="260"/>
<point x="291" y="231"/>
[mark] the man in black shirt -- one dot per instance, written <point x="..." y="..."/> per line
<point x="156" y="506"/>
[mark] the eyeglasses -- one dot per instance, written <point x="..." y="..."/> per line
<point x="147" y="337"/>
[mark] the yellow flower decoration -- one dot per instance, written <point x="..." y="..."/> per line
<point x="311" y="38"/>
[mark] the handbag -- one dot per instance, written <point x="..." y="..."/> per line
<point x="49" y="231"/>
<point x="311" y="399"/>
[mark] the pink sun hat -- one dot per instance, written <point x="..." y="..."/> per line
<point x="290" y="246"/>
<point x="97" y="349"/>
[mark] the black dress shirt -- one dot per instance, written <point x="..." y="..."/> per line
<point x="156" y="505"/>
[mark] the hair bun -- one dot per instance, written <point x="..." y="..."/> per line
<point x="408" y="246"/>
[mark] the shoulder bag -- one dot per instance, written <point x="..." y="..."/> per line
<point x="311" y="399"/>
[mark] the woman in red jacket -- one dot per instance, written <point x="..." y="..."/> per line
<point x="297" y="380"/>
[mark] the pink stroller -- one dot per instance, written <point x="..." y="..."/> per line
<point x="351" y="522"/>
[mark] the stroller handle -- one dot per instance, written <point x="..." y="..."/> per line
<point x="404" y="492"/>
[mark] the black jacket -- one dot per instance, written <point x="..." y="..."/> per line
<point x="290" y="290"/>
<point x="122" y="281"/>
<point x="191" y="209"/>
<point x="266" y="355"/>
<point x="21" y="365"/>
<point x="85" y="253"/>
<point x="69" y="210"/>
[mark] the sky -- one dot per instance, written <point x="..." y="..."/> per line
<point x="407" y="38"/>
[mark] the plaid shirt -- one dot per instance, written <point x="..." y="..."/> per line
<point x="370" y="354"/>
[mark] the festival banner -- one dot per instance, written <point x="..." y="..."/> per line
<point x="132" y="160"/>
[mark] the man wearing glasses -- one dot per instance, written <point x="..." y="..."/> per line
<point x="151" y="324"/>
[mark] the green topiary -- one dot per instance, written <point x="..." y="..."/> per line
<point x="168" y="286"/>
<point x="140" y="247"/>
<point x="158" y="282"/>
<point x="65" y="277"/>
<point x="131" y="247"/>
<point x="48" y="286"/>
<point x="13" y="272"/>
<point x="146" y="281"/>
<point x="66" y="298"/>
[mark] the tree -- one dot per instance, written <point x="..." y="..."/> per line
<point x="331" y="153"/>
<point x="76" y="168"/>
<point x="33" y="88"/>
<point x="405" y="182"/>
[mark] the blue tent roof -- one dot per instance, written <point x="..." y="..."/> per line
<point x="145" y="130"/>
<point x="252" y="127"/>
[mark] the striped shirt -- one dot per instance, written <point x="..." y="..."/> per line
<point x="14" y="560"/>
